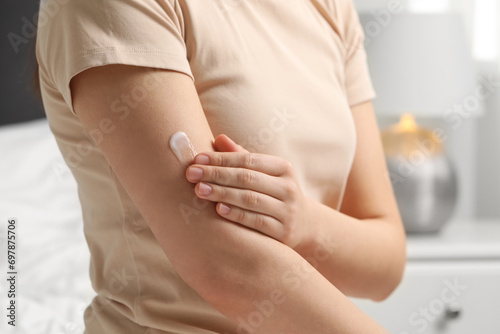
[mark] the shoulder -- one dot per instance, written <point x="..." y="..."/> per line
<point x="75" y="35"/>
<point x="343" y="18"/>
<point x="342" y="13"/>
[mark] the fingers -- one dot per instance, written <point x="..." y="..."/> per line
<point x="266" y="164"/>
<point x="242" y="198"/>
<point x="239" y="178"/>
<point x="256" y="221"/>
<point x="224" y="144"/>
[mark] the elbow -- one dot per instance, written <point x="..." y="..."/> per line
<point x="391" y="283"/>
<point x="393" y="276"/>
<point x="220" y="289"/>
<point x="226" y="283"/>
<point x="233" y="280"/>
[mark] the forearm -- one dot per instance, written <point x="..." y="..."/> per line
<point x="240" y="271"/>
<point x="260" y="278"/>
<point x="369" y="254"/>
<point x="309" y="303"/>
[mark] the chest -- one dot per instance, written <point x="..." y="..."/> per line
<point x="256" y="39"/>
<point x="270" y="74"/>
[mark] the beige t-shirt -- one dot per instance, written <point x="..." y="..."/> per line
<point x="277" y="76"/>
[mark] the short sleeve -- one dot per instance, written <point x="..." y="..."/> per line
<point x="358" y="83"/>
<point x="75" y="35"/>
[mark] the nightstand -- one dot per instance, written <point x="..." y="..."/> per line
<point x="451" y="283"/>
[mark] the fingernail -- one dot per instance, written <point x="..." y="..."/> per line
<point x="204" y="189"/>
<point x="194" y="173"/>
<point x="202" y="159"/>
<point x="224" y="209"/>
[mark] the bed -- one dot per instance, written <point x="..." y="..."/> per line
<point x="52" y="260"/>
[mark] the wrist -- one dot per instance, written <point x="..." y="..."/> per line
<point x="311" y="229"/>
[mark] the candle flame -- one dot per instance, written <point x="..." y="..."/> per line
<point x="407" y="137"/>
<point x="407" y="123"/>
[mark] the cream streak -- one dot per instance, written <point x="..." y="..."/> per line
<point x="182" y="148"/>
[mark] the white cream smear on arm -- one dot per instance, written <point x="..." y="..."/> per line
<point x="182" y="148"/>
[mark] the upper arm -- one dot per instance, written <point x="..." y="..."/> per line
<point x="137" y="149"/>
<point x="368" y="193"/>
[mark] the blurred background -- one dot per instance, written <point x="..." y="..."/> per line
<point x="474" y="141"/>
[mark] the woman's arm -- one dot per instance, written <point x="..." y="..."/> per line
<point x="367" y="236"/>
<point x="367" y="233"/>
<point x="237" y="270"/>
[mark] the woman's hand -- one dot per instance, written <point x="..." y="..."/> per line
<point x="255" y="190"/>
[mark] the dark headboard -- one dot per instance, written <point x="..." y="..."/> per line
<point x="18" y="102"/>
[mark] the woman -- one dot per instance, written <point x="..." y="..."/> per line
<point x="286" y="231"/>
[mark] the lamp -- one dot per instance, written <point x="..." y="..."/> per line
<point x="419" y="63"/>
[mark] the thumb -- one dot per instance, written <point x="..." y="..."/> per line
<point x="224" y="144"/>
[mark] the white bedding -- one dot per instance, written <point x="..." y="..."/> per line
<point x="37" y="188"/>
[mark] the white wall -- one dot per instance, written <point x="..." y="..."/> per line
<point x="488" y="152"/>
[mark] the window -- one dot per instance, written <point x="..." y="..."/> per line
<point x="485" y="36"/>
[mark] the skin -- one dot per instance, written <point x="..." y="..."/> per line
<point x="231" y="266"/>
<point x="262" y="193"/>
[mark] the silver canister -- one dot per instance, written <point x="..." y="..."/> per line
<point x="422" y="175"/>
